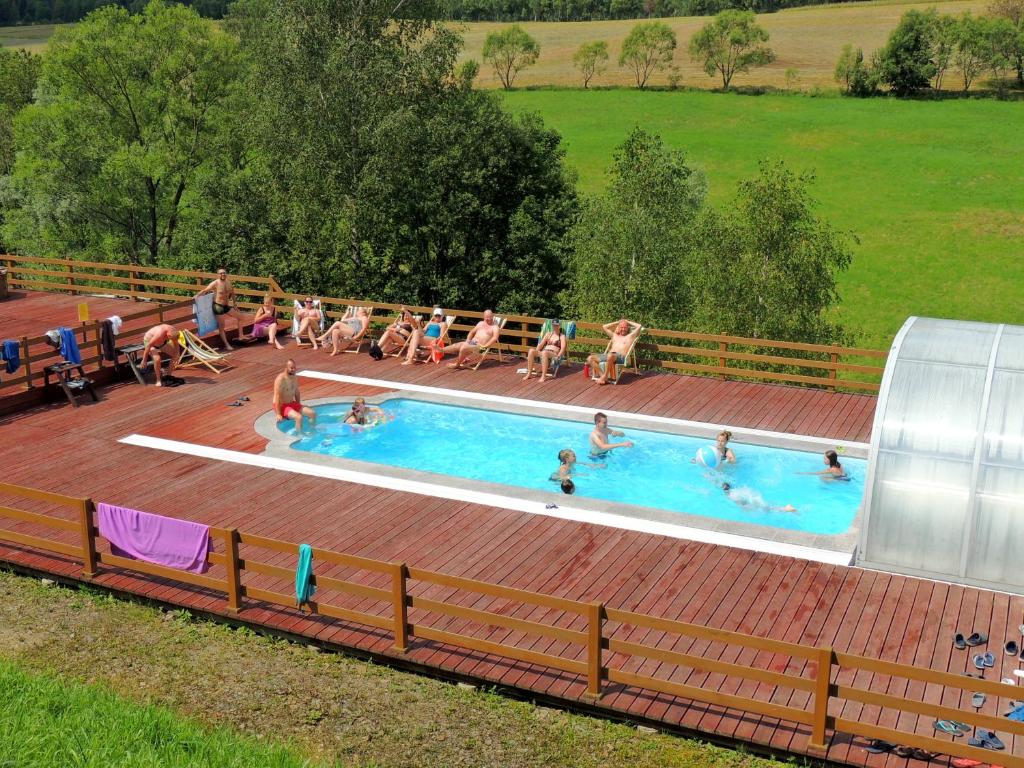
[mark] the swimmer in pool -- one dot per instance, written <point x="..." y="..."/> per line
<point x="567" y="465"/>
<point x="599" y="445"/>
<point x="748" y="498"/>
<point x="833" y="469"/>
<point x="568" y="487"/>
<point x="363" y="414"/>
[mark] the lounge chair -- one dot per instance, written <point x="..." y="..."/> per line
<point x="296" y="306"/>
<point x="196" y="352"/>
<point x="570" y="334"/>
<point x="443" y="341"/>
<point x="359" y="338"/>
<point x="629" y="362"/>
<point x="496" y="346"/>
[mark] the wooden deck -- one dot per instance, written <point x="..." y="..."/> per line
<point x="75" y="451"/>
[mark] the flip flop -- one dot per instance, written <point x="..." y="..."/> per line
<point x="979" y="661"/>
<point x="959" y="642"/>
<point x="977" y="700"/>
<point x="991" y="741"/>
<point x="1021" y="628"/>
<point x="923" y="754"/>
<point x="902" y="751"/>
<point x="965" y="762"/>
<point x="946" y="727"/>
<point x="962" y="727"/>
<point x="1019" y="672"/>
<point x="1008" y="681"/>
<point x="235" y="404"/>
<point x="977" y="638"/>
<point x="243" y="399"/>
<point x="1012" y="649"/>
<point x="878" y="746"/>
<point x="989" y="659"/>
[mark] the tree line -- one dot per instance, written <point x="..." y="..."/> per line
<point x="928" y="49"/>
<point x="597" y="10"/>
<point x="731" y="43"/>
<point x="342" y="150"/>
<point x="14" y="12"/>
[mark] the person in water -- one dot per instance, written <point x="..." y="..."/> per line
<point x="599" y="444"/>
<point x="722" y="449"/>
<point x="748" y="498"/>
<point x="568" y="487"/>
<point x="567" y="465"/>
<point x="363" y="414"/>
<point x="833" y="469"/>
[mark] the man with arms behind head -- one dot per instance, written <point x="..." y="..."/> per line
<point x="622" y="334"/>
<point x="159" y="339"/>
<point x="483" y="335"/>
<point x="287" y="403"/>
<point x="224" y="305"/>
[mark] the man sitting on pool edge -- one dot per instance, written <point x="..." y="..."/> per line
<point x="287" y="402"/>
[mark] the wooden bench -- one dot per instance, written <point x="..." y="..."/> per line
<point x="73" y="386"/>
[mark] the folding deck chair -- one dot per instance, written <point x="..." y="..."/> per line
<point x="496" y="346"/>
<point x="444" y="339"/>
<point x="358" y="339"/>
<point x="196" y="352"/>
<point x="570" y="334"/>
<point x="628" y="363"/>
<point x="296" y="306"/>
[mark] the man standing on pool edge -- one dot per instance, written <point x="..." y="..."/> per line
<point x="287" y="403"/>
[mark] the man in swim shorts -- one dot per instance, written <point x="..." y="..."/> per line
<point x="599" y="445"/>
<point x="622" y="335"/>
<point x="159" y="339"/>
<point x="224" y="305"/>
<point x="483" y="335"/>
<point x="287" y="403"/>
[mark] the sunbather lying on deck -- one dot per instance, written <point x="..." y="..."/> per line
<point x="622" y="335"/>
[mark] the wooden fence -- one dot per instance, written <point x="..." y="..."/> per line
<point x="597" y="643"/>
<point x="821" y="365"/>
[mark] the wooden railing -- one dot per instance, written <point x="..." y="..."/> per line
<point x="594" y="642"/>
<point x="822" y="365"/>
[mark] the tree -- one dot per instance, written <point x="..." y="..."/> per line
<point x="509" y="51"/>
<point x="944" y="44"/>
<point x="590" y="59"/>
<point x="857" y="77"/>
<point x="362" y="163"/>
<point x="1013" y="11"/>
<point x="769" y="264"/>
<point x="647" y="48"/>
<point x="972" y="53"/>
<point x="19" y="72"/>
<point x="730" y="44"/>
<point x="631" y="246"/>
<point x="124" y="120"/>
<point x="905" y="62"/>
<point x="1003" y="41"/>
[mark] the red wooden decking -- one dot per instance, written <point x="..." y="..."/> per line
<point x="75" y="451"/>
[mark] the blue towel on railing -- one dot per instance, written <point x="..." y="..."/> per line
<point x="12" y="355"/>
<point x="304" y="589"/>
<point x="69" y="346"/>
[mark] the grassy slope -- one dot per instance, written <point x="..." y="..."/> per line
<point x="806" y="39"/>
<point x="329" y="706"/>
<point x="46" y="722"/>
<point x="935" y="191"/>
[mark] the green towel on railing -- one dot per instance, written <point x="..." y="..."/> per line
<point x="544" y="329"/>
<point x="570" y="330"/>
<point x="304" y="589"/>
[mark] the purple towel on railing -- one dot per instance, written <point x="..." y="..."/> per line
<point x="162" y="540"/>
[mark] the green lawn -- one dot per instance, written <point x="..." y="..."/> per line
<point x="45" y="723"/>
<point x="934" y="190"/>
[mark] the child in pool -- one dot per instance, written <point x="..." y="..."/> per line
<point x="567" y="465"/>
<point x="748" y="498"/>
<point x="833" y="469"/>
<point x="363" y="414"/>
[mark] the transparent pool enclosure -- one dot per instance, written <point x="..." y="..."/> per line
<point x="944" y="495"/>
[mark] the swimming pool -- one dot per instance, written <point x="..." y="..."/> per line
<point x="520" y="450"/>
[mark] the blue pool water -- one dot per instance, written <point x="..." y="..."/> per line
<point x="522" y="451"/>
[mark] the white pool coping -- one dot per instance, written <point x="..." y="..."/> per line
<point x="439" y="490"/>
<point x="740" y="434"/>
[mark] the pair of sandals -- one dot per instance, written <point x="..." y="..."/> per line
<point x="878" y="746"/>
<point x="983" y="660"/>
<point x="242" y="400"/>
<point x="954" y="728"/>
<point x="986" y="740"/>
<point x="977" y="638"/>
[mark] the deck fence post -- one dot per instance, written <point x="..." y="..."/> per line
<point x="70" y="279"/>
<point x="399" y="595"/>
<point x="88" y="539"/>
<point x="723" y="346"/>
<point x="822" y="690"/>
<point x="234" y="574"/>
<point x="28" y="361"/>
<point x="595" y="628"/>
<point x="834" y="359"/>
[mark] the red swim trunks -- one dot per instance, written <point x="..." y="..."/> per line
<point x="293" y="406"/>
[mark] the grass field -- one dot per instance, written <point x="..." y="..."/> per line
<point x="331" y="708"/>
<point x="806" y="39"/>
<point x="32" y="38"/>
<point x="934" y="190"/>
<point x="46" y="722"/>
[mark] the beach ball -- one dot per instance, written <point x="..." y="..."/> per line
<point x="707" y="457"/>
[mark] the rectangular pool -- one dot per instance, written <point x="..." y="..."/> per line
<point x="522" y="451"/>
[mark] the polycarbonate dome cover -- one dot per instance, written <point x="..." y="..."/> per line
<point x="944" y="495"/>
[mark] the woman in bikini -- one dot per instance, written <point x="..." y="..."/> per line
<point x="395" y="335"/>
<point x="550" y="348"/>
<point x="833" y="469"/>
<point x="266" y="322"/>
<point x="429" y="338"/>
